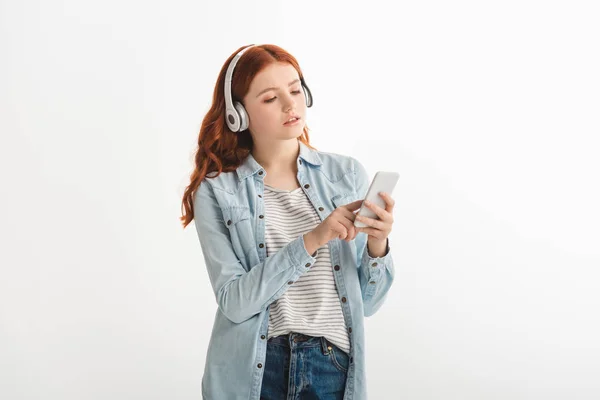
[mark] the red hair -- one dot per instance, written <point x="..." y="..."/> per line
<point x="219" y="149"/>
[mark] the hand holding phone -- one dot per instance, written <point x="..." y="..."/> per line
<point x="383" y="181"/>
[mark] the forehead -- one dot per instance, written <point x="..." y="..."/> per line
<point x="274" y="75"/>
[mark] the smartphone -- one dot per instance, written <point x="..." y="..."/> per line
<point x="383" y="181"/>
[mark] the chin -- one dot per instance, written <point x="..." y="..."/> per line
<point x="290" y="134"/>
<point x="292" y="129"/>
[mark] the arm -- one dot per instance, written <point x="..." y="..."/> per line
<point x="375" y="274"/>
<point x="241" y="294"/>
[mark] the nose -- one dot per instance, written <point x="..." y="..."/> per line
<point x="288" y="103"/>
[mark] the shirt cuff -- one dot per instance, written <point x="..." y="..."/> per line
<point x="376" y="264"/>
<point x="299" y="256"/>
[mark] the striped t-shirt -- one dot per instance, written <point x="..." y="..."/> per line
<point x="311" y="305"/>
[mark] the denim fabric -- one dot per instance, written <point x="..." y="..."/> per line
<point x="229" y="217"/>
<point x="303" y="367"/>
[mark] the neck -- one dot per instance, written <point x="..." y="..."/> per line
<point x="277" y="155"/>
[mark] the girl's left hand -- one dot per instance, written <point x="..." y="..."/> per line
<point x="379" y="229"/>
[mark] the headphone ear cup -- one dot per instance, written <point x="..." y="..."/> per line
<point x="232" y="119"/>
<point x="308" y="96"/>
<point x="244" y="120"/>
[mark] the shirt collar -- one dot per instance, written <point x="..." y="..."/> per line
<point x="250" y="166"/>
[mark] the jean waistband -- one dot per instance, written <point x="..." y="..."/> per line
<point x="295" y="339"/>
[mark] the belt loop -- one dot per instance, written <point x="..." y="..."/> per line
<point x="324" y="346"/>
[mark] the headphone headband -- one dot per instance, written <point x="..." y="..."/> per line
<point x="228" y="101"/>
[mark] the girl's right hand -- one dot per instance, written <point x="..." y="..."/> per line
<point x="339" y="224"/>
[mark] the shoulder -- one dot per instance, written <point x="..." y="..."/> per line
<point x="225" y="181"/>
<point x="336" y="165"/>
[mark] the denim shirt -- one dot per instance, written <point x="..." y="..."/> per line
<point x="229" y="217"/>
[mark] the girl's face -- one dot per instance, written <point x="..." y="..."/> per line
<point x="275" y="95"/>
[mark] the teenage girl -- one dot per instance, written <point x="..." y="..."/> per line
<point x="292" y="276"/>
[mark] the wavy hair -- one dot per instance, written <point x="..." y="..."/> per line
<point x="219" y="149"/>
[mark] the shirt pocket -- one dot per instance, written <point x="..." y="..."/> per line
<point x="343" y="199"/>
<point x="238" y="220"/>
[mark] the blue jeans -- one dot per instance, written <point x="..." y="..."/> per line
<point x="304" y="367"/>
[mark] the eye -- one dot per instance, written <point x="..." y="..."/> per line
<point x="272" y="99"/>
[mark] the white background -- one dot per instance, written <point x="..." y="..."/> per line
<point x="489" y="111"/>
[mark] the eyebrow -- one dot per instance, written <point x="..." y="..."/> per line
<point x="273" y="88"/>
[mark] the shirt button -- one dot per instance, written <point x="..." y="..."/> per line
<point x="299" y="161"/>
<point x="260" y="195"/>
<point x="260" y="172"/>
<point x="259" y="365"/>
<point x="290" y="282"/>
<point x="262" y="336"/>
<point x="343" y="299"/>
<point x="261" y="245"/>
<point x="351" y="360"/>
<point x="229" y="222"/>
<point x="306" y="186"/>
<point x="307" y="265"/>
<point x="321" y="208"/>
<point x="374" y="264"/>
<point x="337" y="267"/>
<point x="350" y="329"/>
<point x="261" y="216"/>
<point x="372" y="282"/>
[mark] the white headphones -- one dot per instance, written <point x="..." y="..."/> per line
<point x="235" y="113"/>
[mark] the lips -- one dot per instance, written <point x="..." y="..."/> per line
<point x="292" y="118"/>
